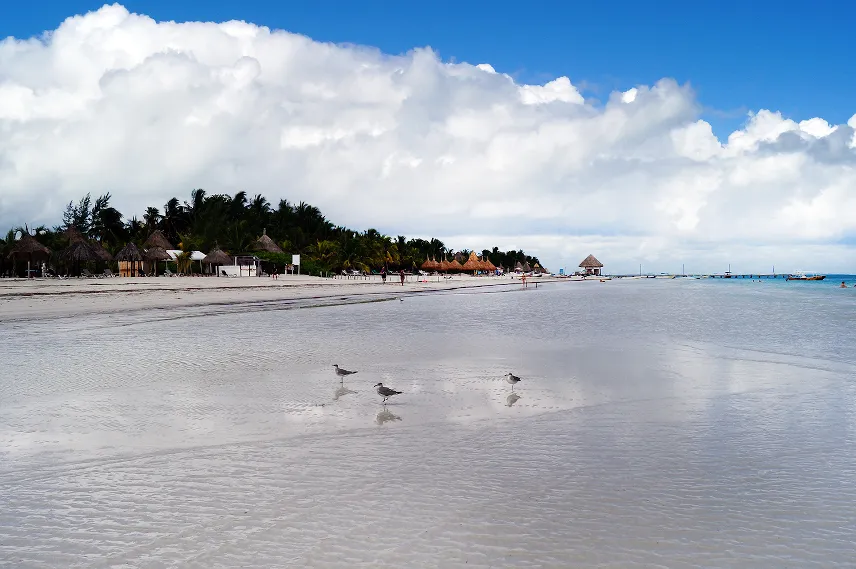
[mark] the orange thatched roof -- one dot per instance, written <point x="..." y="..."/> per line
<point x="490" y="266"/>
<point x="473" y="263"/>
<point x="454" y="266"/>
<point x="265" y="243"/>
<point x="430" y="265"/>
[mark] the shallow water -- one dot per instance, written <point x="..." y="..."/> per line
<point x="658" y="423"/>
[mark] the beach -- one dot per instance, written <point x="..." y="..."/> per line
<point x="669" y="423"/>
<point x="35" y="298"/>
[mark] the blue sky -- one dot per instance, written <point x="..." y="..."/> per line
<point x="739" y="56"/>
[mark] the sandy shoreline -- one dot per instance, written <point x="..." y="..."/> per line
<point x="22" y="299"/>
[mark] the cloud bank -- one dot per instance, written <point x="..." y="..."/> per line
<point x="113" y="101"/>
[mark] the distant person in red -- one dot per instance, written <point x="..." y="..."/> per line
<point x="401" y="274"/>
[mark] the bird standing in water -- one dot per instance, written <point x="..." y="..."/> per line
<point x="512" y="379"/>
<point x="341" y="372"/>
<point x="386" y="392"/>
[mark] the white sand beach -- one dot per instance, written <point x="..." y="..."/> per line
<point x="40" y="298"/>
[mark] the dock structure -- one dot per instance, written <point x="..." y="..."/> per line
<point x="711" y="276"/>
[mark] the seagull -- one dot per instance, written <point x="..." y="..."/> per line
<point x="341" y="372"/>
<point x="512" y="379"/>
<point x="386" y="392"/>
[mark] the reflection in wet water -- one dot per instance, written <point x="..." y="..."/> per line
<point x="675" y="436"/>
<point x="511" y="399"/>
<point x="385" y="416"/>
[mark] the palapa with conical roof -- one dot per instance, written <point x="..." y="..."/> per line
<point x="129" y="259"/>
<point x="454" y="266"/>
<point x="444" y="265"/>
<point x="473" y="263"/>
<point x="591" y="262"/>
<point x="526" y="267"/>
<point x="79" y="252"/>
<point x="518" y="266"/>
<point x="217" y="257"/>
<point x="430" y="264"/>
<point x="155" y="254"/>
<point x="28" y="246"/>
<point x="73" y="234"/>
<point x="158" y="239"/>
<point x="490" y="266"/>
<point x="265" y="243"/>
<point x="591" y="265"/>
<point x="103" y="254"/>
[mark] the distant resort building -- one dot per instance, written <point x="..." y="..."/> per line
<point x="591" y="266"/>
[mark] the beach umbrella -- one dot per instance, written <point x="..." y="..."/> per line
<point x="103" y="254"/>
<point x="265" y="243"/>
<point x="218" y="258"/>
<point x="79" y="252"/>
<point x="130" y="254"/>
<point x="27" y="247"/>
<point x="473" y="263"/>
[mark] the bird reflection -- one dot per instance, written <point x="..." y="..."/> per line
<point x="384" y="416"/>
<point x="341" y="391"/>
<point x="511" y="399"/>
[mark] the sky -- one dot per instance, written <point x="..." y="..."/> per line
<point x="694" y="133"/>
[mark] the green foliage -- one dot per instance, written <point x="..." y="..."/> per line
<point x="234" y="223"/>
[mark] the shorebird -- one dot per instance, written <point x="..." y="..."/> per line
<point x="386" y="392"/>
<point x="512" y="379"/>
<point x="341" y="372"/>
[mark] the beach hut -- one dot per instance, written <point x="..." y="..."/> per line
<point x="526" y="267"/>
<point x="265" y="243"/>
<point x="217" y="258"/>
<point x="73" y="235"/>
<point x="28" y="248"/>
<point x="591" y="266"/>
<point x="444" y="265"/>
<point x="79" y="252"/>
<point x="153" y="255"/>
<point x="489" y="266"/>
<point x="518" y="267"/>
<point x="473" y="264"/>
<point x="454" y="266"/>
<point x="130" y="261"/>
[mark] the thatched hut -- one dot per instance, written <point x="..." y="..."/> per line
<point x="473" y="263"/>
<point x="28" y="248"/>
<point x="428" y="264"/>
<point x="444" y="265"/>
<point x="217" y="258"/>
<point x="454" y="266"/>
<point x="265" y="243"/>
<point x="591" y="266"/>
<point x="73" y="235"/>
<point x="103" y="254"/>
<point x="526" y="267"/>
<point x="518" y="267"/>
<point x="154" y="254"/>
<point x="489" y="266"/>
<point x="130" y="261"/>
<point x="158" y="239"/>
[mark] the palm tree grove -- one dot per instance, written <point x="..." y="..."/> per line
<point x="234" y="224"/>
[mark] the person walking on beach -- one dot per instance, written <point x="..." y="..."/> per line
<point x="523" y="278"/>
<point x="401" y="274"/>
<point x="383" y="275"/>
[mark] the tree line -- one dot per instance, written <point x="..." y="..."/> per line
<point x="234" y="224"/>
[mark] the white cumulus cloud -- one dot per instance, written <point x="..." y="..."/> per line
<point x="114" y="101"/>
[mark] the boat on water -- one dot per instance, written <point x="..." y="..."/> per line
<point x="803" y="276"/>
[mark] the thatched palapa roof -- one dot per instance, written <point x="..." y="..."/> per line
<point x="217" y="257"/>
<point x="129" y="253"/>
<point x="591" y="263"/>
<point x="156" y="254"/>
<point x="265" y="243"/>
<point x="73" y="235"/>
<point x="430" y="265"/>
<point x="157" y="239"/>
<point x="526" y="267"/>
<point x="79" y="252"/>
<point x="518" y="266"/>
<point x="27" y="245"/>
<point x="103" y="254"/>
<point x="490" y="266"/>
<point x="444" y="264"/>
<point x="455" y="266"/>
<point x="473" y="263"/>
